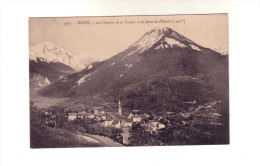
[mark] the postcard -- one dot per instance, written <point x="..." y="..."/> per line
<point x="120" y="81"/>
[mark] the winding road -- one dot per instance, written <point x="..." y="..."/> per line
<point x="105" y="141"/>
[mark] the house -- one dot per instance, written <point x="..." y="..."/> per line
<point x="190" y="102"/>
<point x="108" y="123"/>
<point x="110" y="114"/>
<point x="216" y="114"/>
<point x="96" y="111"/>
<point x="137" y="118"/>
<point x="183" y="122"/>
<point x="136" y="111"/>
<point x="160" y="126"/>
<point x="91" y="116"/>
<point x="98" y="118"/>
<point x="81" y="115"/>
<point x="153" y="123"/>
<point x="103" y="117"/>
<point x="72" y="116"/>
<point x="116" y="123"/>
<point x="126" y="123"/>
<point x="170" y="113"/>
<point x="146" y="115"/>
<point x="48" y="112"/>
<point x="159" y="118"/>
<point x="153" y="126"/>
<point x="130" y="116"/>
<point x="183" y="115"/>
<point x="143" y="116"/>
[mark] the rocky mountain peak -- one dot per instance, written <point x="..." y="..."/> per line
<point x="161" y="38"/>
<point x="50" y="52"/>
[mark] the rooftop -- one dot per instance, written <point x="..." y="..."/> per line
<point x="72" y="114"/>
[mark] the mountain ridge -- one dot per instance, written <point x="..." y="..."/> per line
<point x="160" y="54"/>
<point x="50" y="52"/>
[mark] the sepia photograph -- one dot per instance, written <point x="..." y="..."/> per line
<point x="119" y="81"/>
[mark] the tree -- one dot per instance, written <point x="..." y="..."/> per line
<point x="166" y="135"/>
<point x="141" y="137"/>
<point x="61" y="119"/>
<point x="88" y="124"/>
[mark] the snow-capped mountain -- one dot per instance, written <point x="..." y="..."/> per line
<point x="160" y="54"/>
<point x="50" y="52"/>
<point x="166" y="37"/>
<point x="52" y="62"/>
<point x="161" y="38"/>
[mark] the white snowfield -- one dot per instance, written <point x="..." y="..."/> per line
<point x="195" y="47"/>
<point x="173" y="39"/>
<point x="50" y="52"/>
<point x="83" y="79"/>
<point x="128" y="65"/>
<point x="152" y="37"/>
<point x="90" y="66"/>
<point x="172" y="42"/>
<point x="148" y="40"/>
<point x="175" y="35"/>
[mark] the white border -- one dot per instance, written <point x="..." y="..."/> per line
<point x="244" y="86"/>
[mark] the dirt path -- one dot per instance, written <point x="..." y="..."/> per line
<point x="101" y="139"/>
<point x="89" y="139"/>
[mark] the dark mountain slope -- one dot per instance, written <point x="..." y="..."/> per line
<point x="51" y="70"/>
<point x="161" y="54"/>
<point x="67" y="85"/>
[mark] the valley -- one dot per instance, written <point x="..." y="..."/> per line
<point x="164" y="89"/>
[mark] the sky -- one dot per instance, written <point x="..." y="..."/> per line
<point x="101" y="37"/>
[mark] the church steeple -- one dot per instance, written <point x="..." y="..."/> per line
<point x="119" y="108"/>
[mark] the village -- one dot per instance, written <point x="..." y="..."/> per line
<point x="151" y="123"/>
<point x="123" y="122"/>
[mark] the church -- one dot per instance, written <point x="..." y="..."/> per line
<point x="119" y="108"/>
